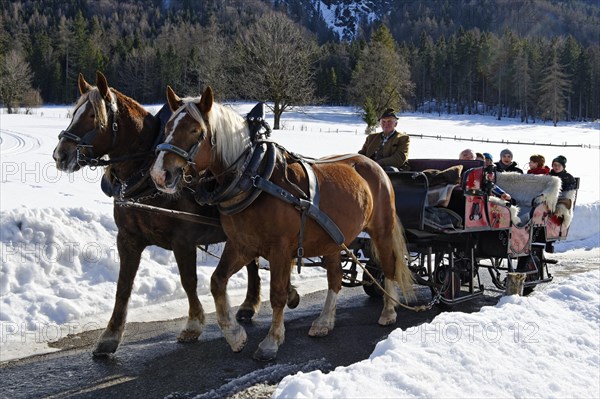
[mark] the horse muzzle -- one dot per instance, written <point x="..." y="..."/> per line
<point x="165" y="180"/>
<point x="66" y="161"/>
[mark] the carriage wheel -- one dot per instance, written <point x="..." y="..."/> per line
<point x="531" y="265"/>
<point x="350" y="274"/>
<point x="371" y="288"/>
<point x="445" y="284"/>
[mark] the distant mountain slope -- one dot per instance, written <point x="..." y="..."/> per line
<point x="407" y="18"/>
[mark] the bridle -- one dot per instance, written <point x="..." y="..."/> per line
<point x="189" y="155"/>
<point x="88" y="138"/>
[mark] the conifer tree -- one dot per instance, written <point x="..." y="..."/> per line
<point x="554" y="89"/>
<point x="381" y="74"/>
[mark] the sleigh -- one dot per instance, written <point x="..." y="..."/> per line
<point x="457" y="228"/>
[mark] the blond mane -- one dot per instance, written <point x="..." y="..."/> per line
<point x="97" y="102"/>
<point x="230" y="131"/>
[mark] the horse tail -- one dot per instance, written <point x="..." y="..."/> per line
<point x="403" y="276"/>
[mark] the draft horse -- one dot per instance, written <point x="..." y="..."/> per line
<point x="354" y="191"/>
<point x="106" y="122"/>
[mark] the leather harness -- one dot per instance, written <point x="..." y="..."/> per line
<point x="251" y="176"/>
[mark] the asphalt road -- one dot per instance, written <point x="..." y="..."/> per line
<point x="151" y="364"/>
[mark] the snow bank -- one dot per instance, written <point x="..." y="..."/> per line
<point x="545" y="345"/>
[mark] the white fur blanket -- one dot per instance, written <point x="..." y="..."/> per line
<point x="564" y="212"/>
<point x="524" y="188"/>
<point x="530" y="190"/>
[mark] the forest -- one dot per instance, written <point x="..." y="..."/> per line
<point x="533" y="59"/>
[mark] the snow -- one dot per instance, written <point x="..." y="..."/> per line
<point x="545" y="345"/>
<point x="59" y="265"/>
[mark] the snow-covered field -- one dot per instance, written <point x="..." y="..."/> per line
<point x="59" y="266"/>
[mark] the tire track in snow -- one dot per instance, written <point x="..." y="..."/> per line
<point x="15" y="143"/>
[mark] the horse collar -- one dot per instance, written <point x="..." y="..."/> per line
<point x="261" y="156"/>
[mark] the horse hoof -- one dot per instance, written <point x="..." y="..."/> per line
<point x="236" y="338"/>
<point x="244" y="315"/>
<point x="105" y="348"/>
<point x="387" y="319"/>
<point x="265" y="355"/>
<point x="319" y="331"/>
<point x="188" y="336"/>
<point x="293" y="299"/>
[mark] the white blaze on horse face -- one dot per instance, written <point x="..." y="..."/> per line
<point x="158" y="164"/>
<point x="72" y="165"/>
<point x="79" y="112"/>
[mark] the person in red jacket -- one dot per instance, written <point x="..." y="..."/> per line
<point x="537" y="165"/>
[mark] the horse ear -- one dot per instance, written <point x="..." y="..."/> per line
<point x="173" y="99"/>
<point x="103" y="86"/>
<point x="206" y="101"/>
<point x="84" y="86"/>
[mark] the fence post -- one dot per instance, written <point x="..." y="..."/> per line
<point x="515" y="283"/>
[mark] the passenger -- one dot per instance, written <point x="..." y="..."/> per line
<point x="390" y="147"/>
<point x="558" y="169"/>
<point x="537" y="165"/>
<point x="506" y="163"/>
<point x="497" y="191"/>
<point x="467" y="154"/>
<point x="488" y="159"/>
<point x="479" y="157"/>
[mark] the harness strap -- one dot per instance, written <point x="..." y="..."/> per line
<point x="249" y="174"/>
<point x="311" y="210"/>
<point x="225" y="192"/>
<point x="187" y="216"/>
<point x="313" y="196"/>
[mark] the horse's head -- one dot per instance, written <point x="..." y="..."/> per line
<point x="191" y="139"/>
<point x="92" y="132"/>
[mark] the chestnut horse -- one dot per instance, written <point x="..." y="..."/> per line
<point x="108" y="122"/>
<point x="355" y="193"/>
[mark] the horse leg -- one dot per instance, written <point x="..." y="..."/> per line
<point x="392" y="255"/>
<point x="186" y="262"/>
<point x="386" y="260"/>
<point x="293" y="298"/>
<point x="251" y="304"/>
<point x="231" y="261"/>
<point x="324" y="324"/>
<point x="130" y="252"/>
<point x="388" y="314"/>
<point x="280" y="282"/>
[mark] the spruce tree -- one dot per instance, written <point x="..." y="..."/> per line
<point x="554" y="89"/>
<point x="381" y="74"/>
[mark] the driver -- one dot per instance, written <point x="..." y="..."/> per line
<point x="390" y="147"/>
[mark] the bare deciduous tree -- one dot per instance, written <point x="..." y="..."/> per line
<point x="276" y="59"/>
<point x="15" y="79"/>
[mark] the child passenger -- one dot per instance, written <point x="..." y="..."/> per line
<point x="558" y="169"/>
<point x="537" y="165"/>
<point x="489" y="160"/>
<point x="506" y="163"/>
